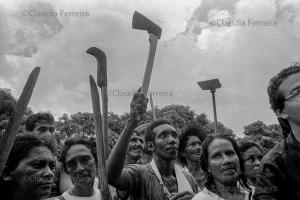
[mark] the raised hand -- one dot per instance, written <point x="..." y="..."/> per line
<point x="138" y="106"/>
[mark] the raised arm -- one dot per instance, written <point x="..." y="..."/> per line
<point x="117" y="157"/>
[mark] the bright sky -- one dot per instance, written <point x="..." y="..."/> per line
<point x="241" y="42"/>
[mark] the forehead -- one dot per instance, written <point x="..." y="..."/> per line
<point x="252" y="151"/>
<point x="39" y="153"/>
<point x="164" y="127"/>
<point x="219" y="144"/>
<point x="193" y="138"/>
<point x="290" y="83"/>
<point x="135" y="134"/>
<point x="77" y="150"/>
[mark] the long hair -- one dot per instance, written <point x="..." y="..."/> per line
<point x="209" y="182"/>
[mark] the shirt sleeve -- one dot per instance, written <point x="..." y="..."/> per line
<point x="133" y="174"/>
<point x="267" y="183"/>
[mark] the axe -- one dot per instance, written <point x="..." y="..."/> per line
<point x="141" y="22"/>
<point x="9" y="136"/>
<point x="102" y="83"/>
<point x="102" y="176"/>
<point x="152" y="107"/>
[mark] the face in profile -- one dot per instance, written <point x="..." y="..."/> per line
<point x="252" y="158"/>
<point x="80" y="164"/>
<point x="136" y="146"/>
<point x="289" y="88"/>
<point x="192" y="150"/>
<point x="35" y="173"/>
<point x="166" y="142"/>
<point x="223" y="162"/>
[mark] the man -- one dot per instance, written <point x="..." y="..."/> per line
<point x="79" y="158"/>
<point x="42" y="124"/>
<point x="161" y="178"/>
<point x="190" y="142"/>
<point x="135" y="148"/>
<point x="147" y="154"/>
<point x="133" y="156"/>
<point x="279" y="173"/>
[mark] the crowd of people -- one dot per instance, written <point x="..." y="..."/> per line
<point x="153" y="161"/>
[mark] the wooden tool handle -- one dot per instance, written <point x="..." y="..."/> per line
<point x="7" y="140"/>
<point x="102" y="176"/>
<point x="104" y="96"/>
<point x="151" y="55"/>
<point x="152" y="107"/>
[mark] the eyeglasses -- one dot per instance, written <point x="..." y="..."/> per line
<point x="294" y="94"/>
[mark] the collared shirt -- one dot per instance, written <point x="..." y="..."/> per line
<point x="279" y="173"/>
<point x="144" y="184"/>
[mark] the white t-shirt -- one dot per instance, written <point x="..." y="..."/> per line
<point x="95" y="196"/>
<point x="206" y="194"/>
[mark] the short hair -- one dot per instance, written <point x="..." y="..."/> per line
<point x="204" y="160"/>
<point x="23" y="145"/>
<point x="90" y="143"/>
<point x="140" y="130"/>
<point x="246" y="144"/>
<point x="149" y="134"/>
<point x="40" y="117"/>
<point x="276" y="98"/>
<point x="191" y="130"/>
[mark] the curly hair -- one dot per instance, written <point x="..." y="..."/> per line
<point x="191" y="130"/>
<point x="149" y="134"/>
<point x="90" y="143"/>
<point x="276" y="98"/>
<point x="209" y="182"/>
<point x="38" y="118"/>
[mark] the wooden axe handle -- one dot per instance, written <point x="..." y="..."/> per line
<point x="152" y="108"/>
<point x="151" y="54"/>
<point x="102" y="176"/>
<point x="7" y="140"/>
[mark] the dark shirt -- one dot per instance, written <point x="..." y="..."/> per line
<point x="279" y="173"/>
<point x="144" y="184"/>
<point x="55" y="186"/>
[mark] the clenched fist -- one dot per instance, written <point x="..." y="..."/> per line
<point x="138" y="106"/>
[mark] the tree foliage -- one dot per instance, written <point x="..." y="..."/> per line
<point x="266" y="135"/>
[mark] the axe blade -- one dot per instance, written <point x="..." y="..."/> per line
<point x="141" y="22"/>
<point x="101" y="65"/>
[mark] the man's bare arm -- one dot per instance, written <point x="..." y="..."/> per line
<point x="117" y="157"/>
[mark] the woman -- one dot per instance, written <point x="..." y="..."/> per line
<point x="252" y="155"/>
<point x="29" y="170"/>
<point x="224" y="167"/>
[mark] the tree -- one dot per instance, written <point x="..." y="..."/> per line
<point x="266" y="136"/>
